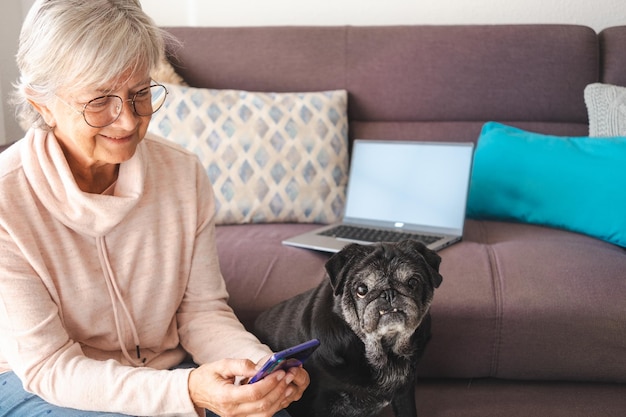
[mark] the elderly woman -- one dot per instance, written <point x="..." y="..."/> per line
<point x="109" y="277"/>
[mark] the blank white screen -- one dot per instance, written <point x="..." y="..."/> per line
<point x="416" y="183"/>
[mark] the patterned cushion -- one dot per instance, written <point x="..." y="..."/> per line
<point x="606" y="107"/>
<point x="271" y="157"/>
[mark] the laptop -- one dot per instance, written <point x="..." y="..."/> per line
<point x="399" y="190"/>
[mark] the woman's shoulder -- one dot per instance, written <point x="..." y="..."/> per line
<point x="159" y="144"/>
<point x="170" y="159"/>
<point x="164" y="151"/>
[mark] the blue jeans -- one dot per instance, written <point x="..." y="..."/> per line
<point x="15" y="402"/>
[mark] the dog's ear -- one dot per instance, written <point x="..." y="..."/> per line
<point x="338" y="266"/>
<point x="432" y="258"/>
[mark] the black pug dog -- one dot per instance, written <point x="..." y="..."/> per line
<point x="372" y="319"/>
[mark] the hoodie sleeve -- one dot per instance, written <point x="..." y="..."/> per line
<point x="206" y="321"/>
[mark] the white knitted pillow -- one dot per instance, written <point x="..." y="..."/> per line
<point x="606" y="108"/>
<point x="271" y="157"/>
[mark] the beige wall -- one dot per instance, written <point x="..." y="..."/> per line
<point x="10" y="22"/>
<point x="597" y="14"/>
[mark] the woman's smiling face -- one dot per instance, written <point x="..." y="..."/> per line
<point x="88" y="147"/>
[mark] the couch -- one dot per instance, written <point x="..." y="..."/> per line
<point x="530" y="318"/>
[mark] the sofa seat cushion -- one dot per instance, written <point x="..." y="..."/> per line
<point x="260" y="271"/>
<point x="546" y="311"/>
<point x="518" y="301"/>
<point x="496" y="398"/>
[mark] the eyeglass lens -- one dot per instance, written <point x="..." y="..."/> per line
<point x="103" y="111"/>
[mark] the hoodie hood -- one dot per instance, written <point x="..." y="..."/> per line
<point x="52" y="181"/>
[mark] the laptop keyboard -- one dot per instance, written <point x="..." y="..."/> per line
<point x="365" y="234"/>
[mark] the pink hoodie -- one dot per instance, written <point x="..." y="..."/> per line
<point x="101" y="294"/>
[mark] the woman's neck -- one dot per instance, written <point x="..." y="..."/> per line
<point x="94" y="179"/>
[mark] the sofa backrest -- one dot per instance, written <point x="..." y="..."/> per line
<point x="415" y="82"/>
<point x="613" y="50"/>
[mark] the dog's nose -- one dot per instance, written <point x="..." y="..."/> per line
<point x="389" y="294"/>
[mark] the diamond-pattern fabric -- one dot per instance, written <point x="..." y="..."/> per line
<point x="271" y="157"/>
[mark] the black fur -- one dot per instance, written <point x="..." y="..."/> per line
<point x="360" y="368"/>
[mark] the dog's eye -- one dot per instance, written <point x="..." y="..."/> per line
<point x="361" y="290"/>
<point x="413" y="283"/>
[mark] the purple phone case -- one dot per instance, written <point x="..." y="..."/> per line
<point x="285" y="359"/>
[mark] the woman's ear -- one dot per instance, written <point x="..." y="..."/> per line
<point x="45" y="112"/>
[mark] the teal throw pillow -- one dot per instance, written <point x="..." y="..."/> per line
<point x="573" y="183"/>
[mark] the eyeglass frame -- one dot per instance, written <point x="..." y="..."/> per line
<point x="132" y="100"/>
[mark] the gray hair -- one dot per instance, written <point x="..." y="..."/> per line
<point x="75" y="44"/>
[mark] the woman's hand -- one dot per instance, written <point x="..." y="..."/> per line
<point x="212" y="386"/>
<point x="299" y="381"/>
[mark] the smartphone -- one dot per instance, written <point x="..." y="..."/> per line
<point x="285" y="359"/>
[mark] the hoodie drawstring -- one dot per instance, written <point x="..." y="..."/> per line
<point x="116" y="297"/>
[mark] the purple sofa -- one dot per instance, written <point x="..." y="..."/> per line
<point x="529" y="320"/>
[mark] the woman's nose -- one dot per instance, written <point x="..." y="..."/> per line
<point x="128" y="117"/>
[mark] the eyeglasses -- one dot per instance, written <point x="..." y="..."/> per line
<point x="105" y="110"/>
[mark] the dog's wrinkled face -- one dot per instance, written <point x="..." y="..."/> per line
<point x="389" y="297"/>
<point x="384" y="291"/>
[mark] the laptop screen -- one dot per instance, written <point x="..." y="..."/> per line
<point x="409" y="184"/>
